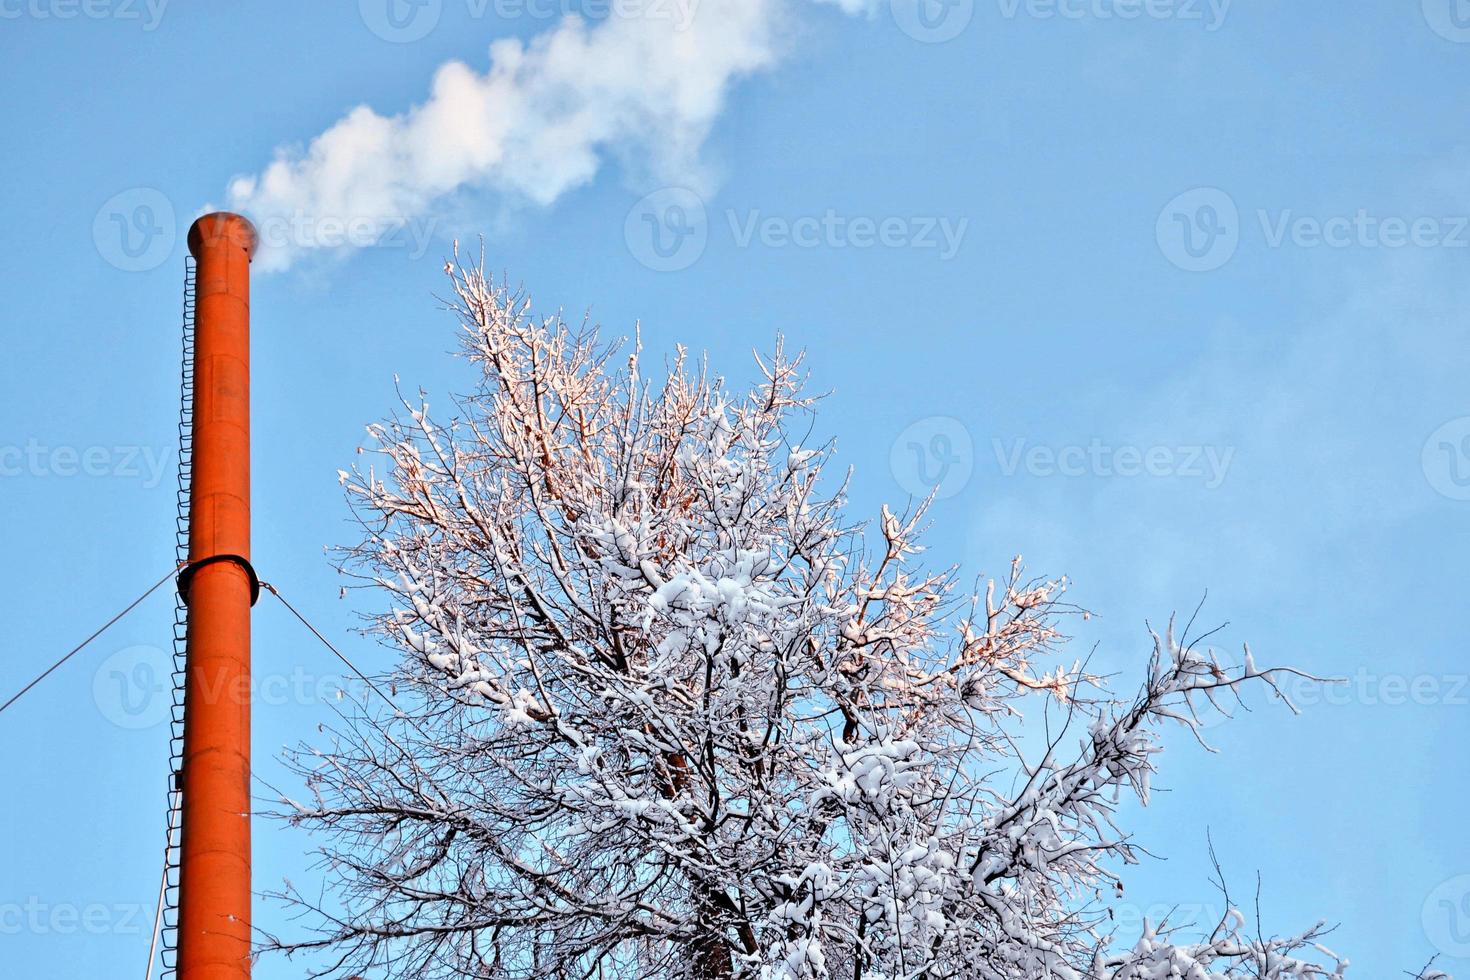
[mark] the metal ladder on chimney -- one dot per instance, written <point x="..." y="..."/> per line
<point x="166" y="926"/>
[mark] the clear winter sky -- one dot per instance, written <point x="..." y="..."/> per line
<point x="1257" y="389"/>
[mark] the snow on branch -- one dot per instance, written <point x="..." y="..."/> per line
<point x="677" y="716"/>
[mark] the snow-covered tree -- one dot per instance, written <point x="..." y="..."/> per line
<point x="662" y="710"/>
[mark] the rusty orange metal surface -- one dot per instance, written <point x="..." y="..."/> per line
<point x="214" y="869"/>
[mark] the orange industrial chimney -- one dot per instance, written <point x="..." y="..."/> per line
<point x="219" y="587"/>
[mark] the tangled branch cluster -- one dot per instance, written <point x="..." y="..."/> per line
<point x="672" y="716"/>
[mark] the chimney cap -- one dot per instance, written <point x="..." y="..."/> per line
<point x="232" y="227"/>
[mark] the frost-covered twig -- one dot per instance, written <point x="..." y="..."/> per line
<point x="674" y="716"/>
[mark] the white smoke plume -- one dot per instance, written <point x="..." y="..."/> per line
<point x="537" y="123"/>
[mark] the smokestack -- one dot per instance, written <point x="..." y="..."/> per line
<point x="219" y="588"/>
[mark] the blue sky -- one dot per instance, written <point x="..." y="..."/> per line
<point x="1167" y="303"/>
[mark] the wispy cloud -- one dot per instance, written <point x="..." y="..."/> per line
<point x="539" y="122"/>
